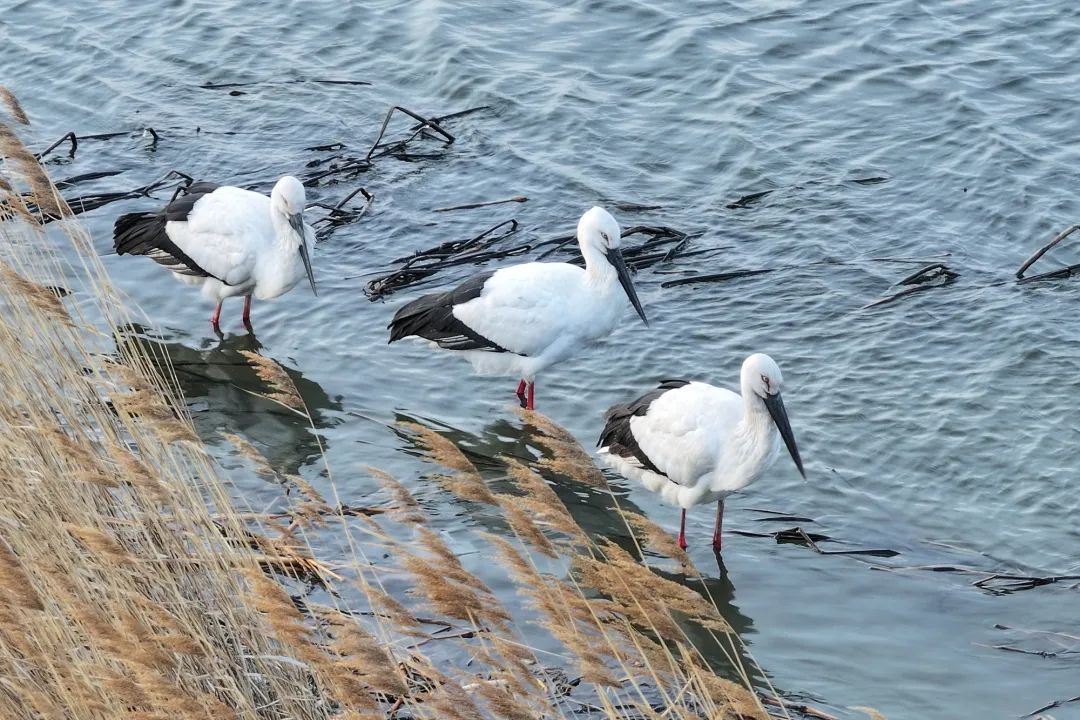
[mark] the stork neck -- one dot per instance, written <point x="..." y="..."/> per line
<point x="749" y="447"/>
<point x="598" y="271"/>
<point x="286" y="239"/>
<point x="755" y="414"/>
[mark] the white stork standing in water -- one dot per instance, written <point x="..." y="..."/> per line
<point x="228" y="240"/>
<point x="694" y="443"/>
<point x="521" y="319"/>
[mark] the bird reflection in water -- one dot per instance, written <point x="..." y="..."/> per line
<point x="597" y="511"/>
<point x="222" y="392"/>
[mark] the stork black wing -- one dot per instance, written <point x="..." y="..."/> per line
<point x="432" y="318"/>
<point x="617" y="436"/>
<point x="145" y="233"/>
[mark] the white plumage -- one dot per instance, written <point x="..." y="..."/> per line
<point x="521" y="319"/>
<point x="227" y="240"/>
<point x="694" y="443"/>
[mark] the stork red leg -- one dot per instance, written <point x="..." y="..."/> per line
<point x="215" y="318"/>
<point x="247" y="310"/>
<point x="718" y="528"/>
<point x="532" y="396"/>
<point x="682" y="530"/>
<point x="521" y="393"/>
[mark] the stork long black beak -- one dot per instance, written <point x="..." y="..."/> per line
<point x="296" y="220"/>
<point x="775" y="406"/>
<point x="614" y="256"/>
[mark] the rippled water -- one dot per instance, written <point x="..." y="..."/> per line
<point x="941" y="425"/>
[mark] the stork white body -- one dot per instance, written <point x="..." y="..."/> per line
<point x="543" y="313"/>
<point x="693" y="443"/>
<point x="232" y="233"/>
<point x="227" y="240"/>
<point x="708" y="441"/>
<point x="522" y="319"/>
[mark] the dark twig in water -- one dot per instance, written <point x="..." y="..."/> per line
<point x="1043" y="250"/>
<point x="69" y="137"/>
<point x="1050" y="706"/>
<point x="343" y="166"/>
<point x="472" y="206"/>
<point x="74" y="139"/>
<point x="662" y="244"/>
<point x="997" y="583"/>
<point x="934" y="275"/>
<point x="452" y="116"/>
<point x="338" y="216"/>
<point x="799" y="536"/>
<point x="219" y="86"/>
<point x="750" y="199"/>
<point x="1057" y="636"/>
<point x="733" y="274"/>
<point x="1023" y="651"/>
<point x="85" y="177"/>
<point x="425" y="263"/>
<point x="782" y="537"/>
<point x="716" y="277"/>
<point x="1001" y="583"/>
<point x="399" y="145"/>
<point x="86" y="203"/>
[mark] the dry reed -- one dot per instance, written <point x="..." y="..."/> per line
<point x="13" y="105"/>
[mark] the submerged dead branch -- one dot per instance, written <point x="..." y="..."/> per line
<point x="661" y="245"/>
<point x="1053" y="274"/>
<point x="734" y="274"/>
<point x="931" y="276"/>
<point x="489" y="203"/>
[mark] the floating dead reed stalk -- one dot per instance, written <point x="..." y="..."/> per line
<point x="1052" y="274"/>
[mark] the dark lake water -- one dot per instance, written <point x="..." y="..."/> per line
<point x="942" y="425"/>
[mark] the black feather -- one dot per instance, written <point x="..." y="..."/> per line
<point x="617" y="436"/>
<point x="144" y="233"/>
<point x="432" y="317"/>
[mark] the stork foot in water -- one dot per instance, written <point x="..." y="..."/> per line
<point x="528" y="401"/>
<point x="215" y="317"/>
<point x="719" y="526"/>
<point x="682" y="531"/>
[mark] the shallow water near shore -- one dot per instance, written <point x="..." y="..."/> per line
<point x="940" y="426"/>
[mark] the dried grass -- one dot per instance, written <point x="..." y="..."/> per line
<point x="283" y="388"/>
<point x="466" y="482"/>
<point x="13" y="105"/>
<point x="39" y="189"/>
<point x="567" y="457"/>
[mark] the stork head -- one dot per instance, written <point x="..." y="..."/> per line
<point x="761" y="381"/>
<point x="287" y="200"/>
<point x="599" y="237"/>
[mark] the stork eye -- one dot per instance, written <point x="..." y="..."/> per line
<point x="765" y="379"/>
<point x="604" y="235"/>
